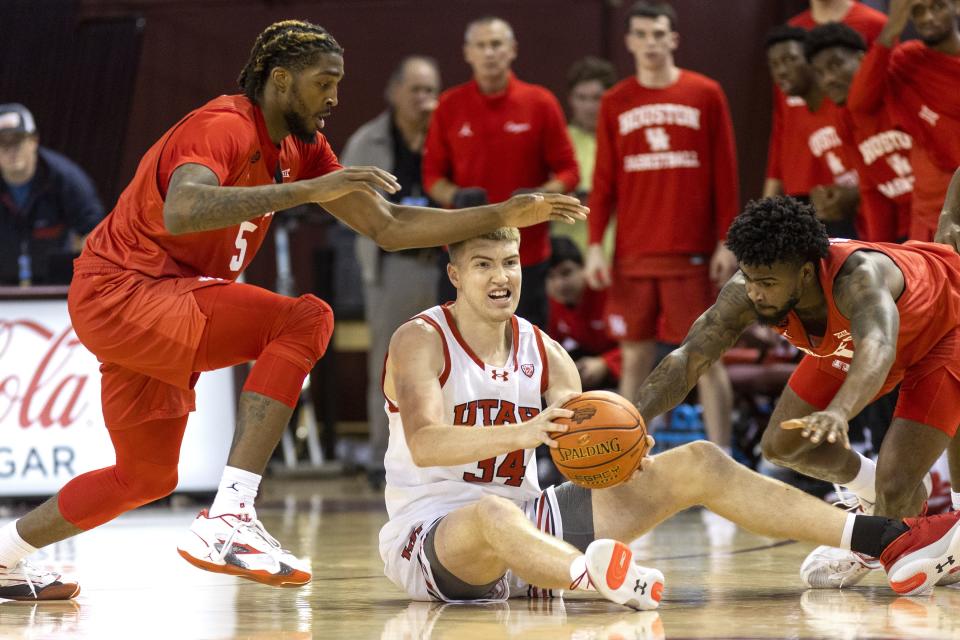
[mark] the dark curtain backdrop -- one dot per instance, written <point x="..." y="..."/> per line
<point x="76" y="77"/>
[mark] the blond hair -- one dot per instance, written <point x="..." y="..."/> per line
<point x="502" y="234"/>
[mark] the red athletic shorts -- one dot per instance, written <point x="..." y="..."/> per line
<point x="657" y="308"/>
<point x="929" y="390"/>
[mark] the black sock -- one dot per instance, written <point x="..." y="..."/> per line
<point x="873" y="534"/>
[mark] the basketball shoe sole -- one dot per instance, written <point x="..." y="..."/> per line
<point x="613" y="573"/>
<point x="924" y="555"/>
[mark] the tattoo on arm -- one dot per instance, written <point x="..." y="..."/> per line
<point x="196" y="202"/>
<point x="710" y="336"/>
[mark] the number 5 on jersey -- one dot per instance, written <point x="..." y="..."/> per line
<point x="236" y="262"/>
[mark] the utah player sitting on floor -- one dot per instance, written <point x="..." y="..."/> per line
<point x="869" y="316"/>
<point x="154" y="297"/>
<point x="467" y="518"/>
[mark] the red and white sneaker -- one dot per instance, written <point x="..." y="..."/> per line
<point x="23" y="581"/>
<point x="612" y="571"/>
<point x="239" y="545"/>
<point x="924" y="555"/>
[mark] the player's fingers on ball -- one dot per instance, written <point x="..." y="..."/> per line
<point x="557" y="427"/>
<point x="650" y="442"/>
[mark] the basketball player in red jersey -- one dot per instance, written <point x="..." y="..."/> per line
<point x="869" y="316"/>
<point x="154" y="298"/>
<point x="468" y="520"/>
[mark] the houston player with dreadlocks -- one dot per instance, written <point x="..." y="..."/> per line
<point x="154" y="297"/>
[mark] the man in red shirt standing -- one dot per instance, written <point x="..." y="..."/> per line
<point x="666" y="164"/>
<point x="879" y="151"/>
<point x="154" y="297"/>
<point x="866" y="21"/>
<point x="499" y="134"/>
<point x="914" y="80"/>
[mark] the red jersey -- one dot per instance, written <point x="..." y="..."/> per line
<point x="866" y="21"/>
<point x="913" y="81"/>
<point x="583" y="328"/>
<point x="805" y="150"/>
<point x="666" y="164"/>
<point x="516" y="139"/>
<point x="228" y="136"/>
<point x="882" y="160"/>
<point x="929" y="305"/>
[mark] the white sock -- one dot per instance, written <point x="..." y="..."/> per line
<point x="13" y="548"/>
<point x="955" y="498"/>
<point x="865" y="484"/>
<point x="579" y="581"/>
<point x="847" y="535"/>
<point x="237" y="491"/>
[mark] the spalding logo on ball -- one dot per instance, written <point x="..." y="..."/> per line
<point x="605" y="442"/>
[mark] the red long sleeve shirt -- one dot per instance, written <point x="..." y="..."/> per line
<point x="803" y="153"/>
<point x="666" y="163"/>
<point x="583" y="328"/>
<point x="866" y="21"/>
<point x="512" y="140"/>
<point x="914" y="82"/>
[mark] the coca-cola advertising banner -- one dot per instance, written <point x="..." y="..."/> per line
<point x="51" y="425"/>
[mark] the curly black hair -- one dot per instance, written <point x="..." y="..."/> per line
<point x="832" y="34"/>
<point x="784" y="33"/>
<point x="779" y="229"/>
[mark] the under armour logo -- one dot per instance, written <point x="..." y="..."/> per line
<point x="502" y="376"/>
<point x="941" y="567"/>
<point x="640" y="588"/>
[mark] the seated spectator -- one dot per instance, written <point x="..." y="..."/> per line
<point x="47" y="205"/>
<point x="577" y="318"/>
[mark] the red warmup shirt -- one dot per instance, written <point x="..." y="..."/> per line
<point x="666" y="166"/>
<point x="917" y="86"/>
<point x="881" y="155"/>
<point x="228" y="136"/>
<point x="929" y="305"/>
<point x="584" y="327"/>
<point x="512" y="140"/>
<point x="866" y="21"/>
<point x="804" y="149"/>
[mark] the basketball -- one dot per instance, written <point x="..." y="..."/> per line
<point x="605" y="442"/>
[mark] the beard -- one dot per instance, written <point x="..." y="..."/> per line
<point x="935" y="39"/>
<point x="296" y="124"/>
<point x="777" y="317"/>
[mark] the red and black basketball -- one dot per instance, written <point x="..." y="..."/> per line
<point x="605" y="442"/>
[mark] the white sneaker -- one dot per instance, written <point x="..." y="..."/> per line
<point x="23" y="581"/>
<point x="612" y="571"/>
<point x="240" y="546"/>
<point x="832" y="568"/>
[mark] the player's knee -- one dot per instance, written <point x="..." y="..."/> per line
<point x="148" y="485"/>
<point x="896" y="491"/>
<point x="309" y="325"/>
<point x="705" y="454"/>
<point x="778" y="447"/>
<point x="496" y="509"/>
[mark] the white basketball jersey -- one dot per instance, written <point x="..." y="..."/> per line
<point x="475" y="394"/>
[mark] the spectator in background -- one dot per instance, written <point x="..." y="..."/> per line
<point x="501" y="135"/>
<point x="666" y="163"/>
<point x="917" y="82"/>
<point x="396" y="286"/>
<point x="577" y="317"/>
<point x="805" y="157"/>
<point x="866" y="21"/>
<point x="47" y="205"/>
<point x="879" y="151"/>
<point x="587" y="79"/>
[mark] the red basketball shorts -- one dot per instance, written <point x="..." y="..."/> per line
<point x="657" y="308"/>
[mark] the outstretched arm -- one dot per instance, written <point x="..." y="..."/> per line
<point x="948" y="230"/>
<point x="710" y="336"/>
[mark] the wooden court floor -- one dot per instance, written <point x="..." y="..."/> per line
<point x="721" y="583"/>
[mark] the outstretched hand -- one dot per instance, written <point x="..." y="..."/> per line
<point x="822" y="425"/>
<point x="527" y="209"/>
<point x="337" y="184"/>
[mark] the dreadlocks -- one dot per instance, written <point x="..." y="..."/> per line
<point x="780" y="229"/>
<point x="294" y="44"/>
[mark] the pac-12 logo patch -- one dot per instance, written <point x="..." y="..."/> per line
<point x="527" y="370"/>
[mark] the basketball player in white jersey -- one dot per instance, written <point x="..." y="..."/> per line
<point x="468" y="521"/>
